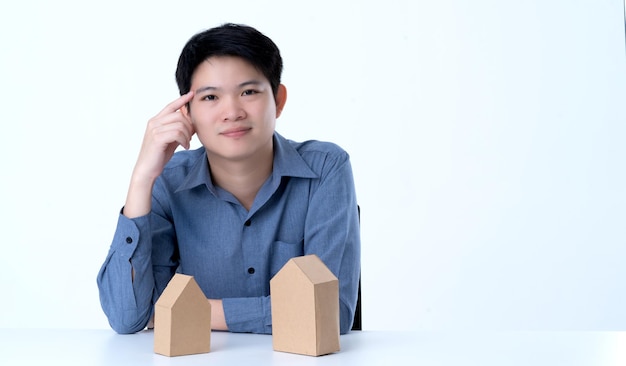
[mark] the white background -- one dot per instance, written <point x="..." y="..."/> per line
<point x="487" y="141"/>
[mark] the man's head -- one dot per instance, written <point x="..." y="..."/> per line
<point x="230" y="40"/>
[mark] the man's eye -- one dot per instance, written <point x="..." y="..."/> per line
<point x="249" y="92"/>
<point x="209" y="97"/>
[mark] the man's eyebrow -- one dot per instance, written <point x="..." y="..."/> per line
<point x="204" y="88"/>
<point x="250" y="82"/>
<point x="242" y="85"/>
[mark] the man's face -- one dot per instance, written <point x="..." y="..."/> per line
<point x="233" y="110"/>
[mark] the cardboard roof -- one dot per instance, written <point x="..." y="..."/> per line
<point x="313" y="268"/>
<point x="177" y="285"/>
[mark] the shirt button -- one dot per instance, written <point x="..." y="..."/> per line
<point x="129" y="240"/>
<point x="247" y="223"/>
<point x="251" y="270"/>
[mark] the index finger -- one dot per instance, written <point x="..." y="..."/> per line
<point x="176" y="104"/>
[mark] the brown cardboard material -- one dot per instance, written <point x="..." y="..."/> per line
<point x="305" y="307"/>
<point x="182" y="319"/>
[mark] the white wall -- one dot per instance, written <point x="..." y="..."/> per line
<point x="487" y="140"/>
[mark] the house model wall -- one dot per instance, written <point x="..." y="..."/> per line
<point x="182" y="319"/>
<point x="305" y="307"/>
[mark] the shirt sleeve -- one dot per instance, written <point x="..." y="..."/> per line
<point x="248" y="314"/>
<point x="333" y="233"/>
<point x="127" y="303"/>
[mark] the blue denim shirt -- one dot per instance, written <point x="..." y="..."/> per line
<point x="307" y="206"/>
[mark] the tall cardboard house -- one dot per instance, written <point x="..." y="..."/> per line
<point x="305" y="307"/>
<point x="182" y="319"/>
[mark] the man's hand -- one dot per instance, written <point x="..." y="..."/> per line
<point x="165" y="132"/>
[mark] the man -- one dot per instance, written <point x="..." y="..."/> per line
<point x="234" y="211"/>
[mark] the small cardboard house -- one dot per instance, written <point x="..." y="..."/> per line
<point x="182" y="319"/>
<point x="305" y="307"/>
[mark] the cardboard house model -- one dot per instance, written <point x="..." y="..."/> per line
<point x="305" y="307"/>
<point x="182" y="319"/>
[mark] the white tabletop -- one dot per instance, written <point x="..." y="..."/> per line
<point x="104" y="347"/>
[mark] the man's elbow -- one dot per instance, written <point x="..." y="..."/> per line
<point x="123" y="329"/>
<point x="128" y="324"/>
<point x="346" y="318"/>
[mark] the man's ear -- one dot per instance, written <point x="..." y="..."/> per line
<point x="185" y="110"/>
<point x="281" y="99"/>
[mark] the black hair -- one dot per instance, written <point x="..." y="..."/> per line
<point x="230" y="40"/>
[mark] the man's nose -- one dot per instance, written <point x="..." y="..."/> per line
<point x="232" y="110"/>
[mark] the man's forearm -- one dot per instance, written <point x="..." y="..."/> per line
<point x="218" y="320"/>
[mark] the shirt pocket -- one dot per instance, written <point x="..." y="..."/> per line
<point x="282" y="252"/>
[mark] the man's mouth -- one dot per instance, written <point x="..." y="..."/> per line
<point x="236" y="132"/>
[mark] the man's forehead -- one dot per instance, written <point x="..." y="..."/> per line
<point x="232" y="70"/>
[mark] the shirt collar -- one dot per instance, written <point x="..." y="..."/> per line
<point x="287" y="163"/>
<point x="287" y="160"/>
